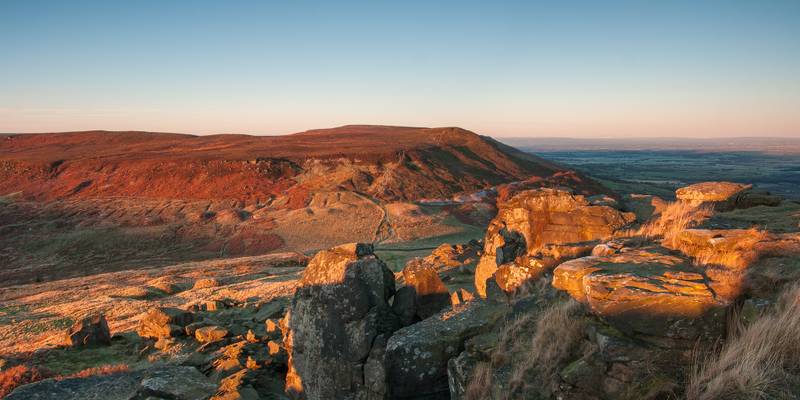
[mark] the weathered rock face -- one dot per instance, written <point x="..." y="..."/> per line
<point x="459" y="255"/>
<point x="727" y="255"/>
<point x="338" y="310"/>
<point x="416" y="356"/>
<point x="180" y="383"/>
<point x="430" y="293"/>
<point x="725" y="196"/>
<point x="705" y="192"/>
<point x="645" y="291"/>
<point x="90" y="331"/>
<point x="208" y="334"/>
<point x="529" y="222"/>
<point x="162" y="322"/>
<point x="171" y="382"/>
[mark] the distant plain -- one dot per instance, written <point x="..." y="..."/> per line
<point x="659" y="166"/>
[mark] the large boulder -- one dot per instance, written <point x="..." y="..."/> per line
<point x="338" y="310"/>
<point x="430" y="293"/>
<point x="726" y="196"/>
<point x="163" y="322"/>
<point x="106" y="387"/>
<point x="710" y="192"/>
<point x="648" y="292"/>
<point x="90" y="331"/>
<point x="178" y="383"/>
<point x="521" y="237"/>
<point x="210" y="334"/>
<point x="727" y="255"/>
<point x="450" y="256"/>
<point x="416" y="357"/>
<point x="168" y="382"/>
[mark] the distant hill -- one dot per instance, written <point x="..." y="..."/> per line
<point x="389" y="163"/>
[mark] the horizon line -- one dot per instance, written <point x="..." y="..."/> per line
<point x="544" y="137"/>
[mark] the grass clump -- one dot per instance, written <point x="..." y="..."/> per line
<point x="675" y="218"/>
<point x="535" y="347"/>
<point x="759" y="361"/>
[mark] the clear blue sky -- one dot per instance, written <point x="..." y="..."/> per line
<point x="593" y="68"/>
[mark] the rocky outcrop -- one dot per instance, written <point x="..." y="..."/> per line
<point x="163" y="322"/>
<point x="430" y="293"/>
<point x="725" y="196"/>
<point x="705" y="192"/>
<point x="168" y="382"/>
<point x="645" y="292"/>
<point x="209" y="334"/>
<point x="90" y="331"/>
<point x="339" y="309"/>
<point x="518" y="238"/>
<point x="454" y="256"/>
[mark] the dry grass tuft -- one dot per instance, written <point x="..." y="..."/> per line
<point x="558" y="333"/>
<point x="761" y="361"/>
<point x="535" y="347"/>
<point x="480" y="385"/>
<point x="675" y="218"/>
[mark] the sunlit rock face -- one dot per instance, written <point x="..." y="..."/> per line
<point x="536" y="228"/>
<point x="725" y="196"/>
<point x="337" y="312"/>
<point x="430" y="293"/>
<point x="647" y="291"/>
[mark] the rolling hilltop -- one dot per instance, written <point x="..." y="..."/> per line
<point x="81" y="203"/>
<point x="389" y="163"/>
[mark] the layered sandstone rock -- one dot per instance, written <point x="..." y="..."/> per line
<point x="450" y="256"/>
<point x="430" y="293"/>
<point x="726" y="196"/>
<point x="726" y="254"/>
<point x="163" y="322"/>
<point x="705" y="192"/>
<point x="338" y="310"/>
<point x="519" y="241"/>
<point x="645" y="292"/>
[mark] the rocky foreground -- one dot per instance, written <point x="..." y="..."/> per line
<point x="568" y="296"/>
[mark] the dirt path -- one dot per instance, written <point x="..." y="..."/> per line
<point x="384" y="231"/>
